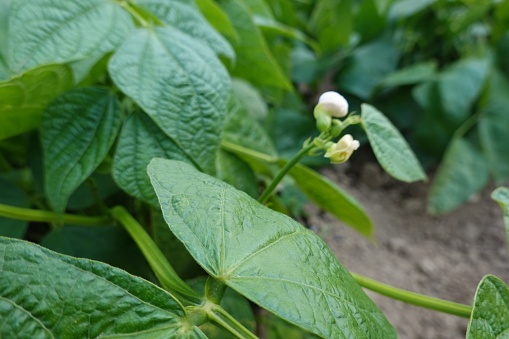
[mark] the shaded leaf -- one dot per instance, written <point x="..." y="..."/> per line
<point x="250" y="99"/>
<point x="389" y="146"/>
<point x="12" y="195"/>
<point x="331" y="198"/>
<point x="490" y="315"/>
<point x="237" y="173"/>
<point x="332" y="22"/>
<point x="139" y="142"/>
<point x="217" y="18"/>
<point x="180" y="84"/>
<point x="405" y="8"/>
<point x="77" y="131"/>
<point x="53" y="31"/>
<point x="185" y="16"/>
<point x="58" y="296"/>
<point x="235" y="239"/>
<point x="501" y="195"/>
<point x="462" y="172"/>
<point x="23" y="98"/>
<point x="411" y="75"/>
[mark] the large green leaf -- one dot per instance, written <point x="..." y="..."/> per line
<point x="236" y="240"/>
<point x="490" y="315"/>
<point x="331" y="198"/>
<point x="501" y="195"/>
<point x="77" y="131"/>
<point x="332" y="22"/>
<point x="462" y="172"/>
<point x="389" y="146"/>
<point x="493" y="126"/>
<point x="54" y="31"/>
<point x="217" y="18"/>
<point x="139" y="142"/>
<point x="47" y="295"/>
<point x="23" y="98"/>
<point x="185" y="15"/>
<point x="180" y="84"/>
<point x="255" y="61"/>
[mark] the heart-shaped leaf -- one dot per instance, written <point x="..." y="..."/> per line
<point x="264" y="255"/>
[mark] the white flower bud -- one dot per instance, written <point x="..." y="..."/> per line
<point x="342" y="150"/>
<point x="334" y="104"/>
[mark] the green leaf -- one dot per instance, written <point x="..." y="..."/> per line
<point x="12" y="195"/>
<point x="243" y="130"/>
<point x="139" y="142"/>
<point x="5" y="8"/>
<point x="180" y="84"/>
<point x="250" y="98"/>
<point x="270" y="25"/>
<point x="217" y="18"/>
<point x="493" y="126"/>
<point x="23" y="98"/>
<point x="411" y="75"/>
<point x="185" y="16"/>
<point x="332" y="22"/>
<point x="331" y="198"/>
<point x="58" y="31"/>
<point x="490" y="315"/>
<point x="255" y="62"/>
<point x="77" y="131"/>
<point x="501" y="195"/>
<point x="389" y="146"/>
<point x="47" y="295"/>
<point x="235" y="239"/>
<point x="462" y="172"/>
<point x="236" y="173"/>
<point x="368" y="65"/>
<point x="405" y="8"/>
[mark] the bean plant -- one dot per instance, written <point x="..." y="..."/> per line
<point x="139" y="184"/>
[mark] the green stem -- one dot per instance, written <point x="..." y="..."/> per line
<point x="297" y="157"/>
<point x="48" y="216"/>
<point x="162" y="268"/>
<point x="237" y="149"/>
<point x="223" y="319"/>
<point x="214" y="290"/>
<point x="416" y="299"/>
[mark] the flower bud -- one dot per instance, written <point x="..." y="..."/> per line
<point x="334" y="104"/>
<point x="342" y="150"/>
<point x="323" y="120"/>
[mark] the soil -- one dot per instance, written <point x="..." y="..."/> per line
<point x="442" y="256"/>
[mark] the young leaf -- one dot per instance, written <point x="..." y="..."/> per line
<point x="58" y="31"/>
<point x="47" y="295"/>
<point x="462" y="172"/>
<point x="501" y="195"/>
<point x="180" y="84"/>
<point x="139" y="142"/>
<point x="185" y="16"/>
<point x="389" y="146"/>
<point x="235" y="239"/>
<point x="331" y="198"/>
<point x="490" y="315"/>
<point x="23" y="98"/>
<point x="78" y="129"/>
<point x="255" y="61"/>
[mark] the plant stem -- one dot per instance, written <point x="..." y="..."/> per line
<point x="214" y="290"/>
<point x="48" y="216"/>
<point x="223" y="319"/>
<point x="162" y="268"/>
<point x="237" y="149"/>
<point x="416" y="299"/>
<point x="296" y="158"/>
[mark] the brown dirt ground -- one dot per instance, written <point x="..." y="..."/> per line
<point x="441" y="256"/>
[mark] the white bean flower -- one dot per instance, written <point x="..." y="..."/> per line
<point x="342" y="150"/>
<point x="334" y="104"/>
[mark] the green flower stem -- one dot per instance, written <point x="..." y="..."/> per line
<point x="237" y="149"/>
<point x="223" y="319"/>
<point x="162" y="268"/>
<point x="416" y="299"/>
<point x="48" y="216"/>
<point x="268" y="191"/>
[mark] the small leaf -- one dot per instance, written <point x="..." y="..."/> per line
<point x="389" y="146"/>
<point x="23" y="98"/>
<point x="185" y="16"/>
<point x="77" y="131"/>
<point x="255" y="61"/>
<point x="331" y="198"/>
<point x="462" y="172"/>
<point x="501" y="195"/>
<point x="58" y="31"/>
<point x="411" y="75"/>
<point x="235" y="239"/>
<point x="490" y="315"/>
<point x="180" y="84"/>
<point x="139" y="142"/>
<point x="47" y="295"/>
